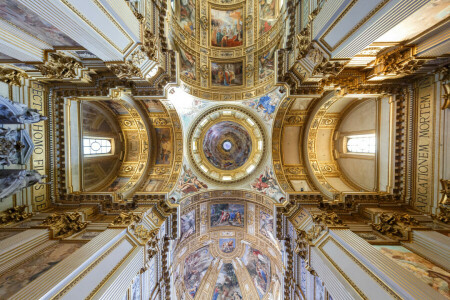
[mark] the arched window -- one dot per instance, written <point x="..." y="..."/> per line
<point x="361" y="143"/>
<point x="96" y="146"/>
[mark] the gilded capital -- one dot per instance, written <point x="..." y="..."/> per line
<point x="11" y="76"/>
<point x="125" y="219"/>
<point x="63" y="225"/>
<point x="14" y="215"/>
<point x="60" y="66"/>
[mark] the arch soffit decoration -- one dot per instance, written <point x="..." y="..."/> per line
<point x="167" y="119"/>
<point x="309" y="147"/>
<point x="145" y="152"/>
<point x="278" y="159"/>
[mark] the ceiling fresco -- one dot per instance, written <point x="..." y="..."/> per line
<point x="226" y="44"/>
<point x="226" y="150"/>
<point x="227" y="145"/>
<point x="20" y="16"/>
<point x="226" y="250"/>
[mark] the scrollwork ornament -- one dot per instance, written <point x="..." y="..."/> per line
<point x="203" y="218"/>
<point x="63" y="225"/>
<point x="14" y="215"/>
<point x="444" y="207"/>
<point x="329" y="68"/>
<point x="11" y="76"/>
<point x="302" y="245"/>
<point x="303" y="43"/>
<point x="445" y="79"/>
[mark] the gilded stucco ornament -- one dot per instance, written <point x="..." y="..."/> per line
<point x="125" y="219"/>
<point x="444" y="208"/>
<point x="60" y="66"/>
<point x="249" y="70"/>
<point x="329" y="68"/>
<point x="125" y="70"/>
<point x="150" y="45"/>
<point x="248" y="21"/>
<point x="14" y="215"/>
<point x="303" y="43"/>
<point x="204" y="22"/>
<point x="395" y="225"/>
<point x="327" y="219"/>
<point x="445" y="79"/>
<point x="63" y="225"/>
<point x="152" y="245"/>
<point x="11" y="76"/>
<point x="302" y="245"/>
<point x="204" y="71"/>
<point x="143" y="233"/>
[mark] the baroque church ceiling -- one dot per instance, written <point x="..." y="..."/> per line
<point x="221" y="120"/>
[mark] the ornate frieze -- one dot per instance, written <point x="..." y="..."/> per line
<point x="14" y="215"/>
<point x="63" y="225"/>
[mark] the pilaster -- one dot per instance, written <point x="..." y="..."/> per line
<point x="431" y="245"/>
<point x="20" y="246"/>
<point x="71" y="273"/>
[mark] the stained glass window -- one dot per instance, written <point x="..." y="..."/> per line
<point x="361" y="143"/>
<point x="95" y="146"/>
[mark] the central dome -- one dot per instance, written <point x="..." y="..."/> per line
<point x="227" y="145"/>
